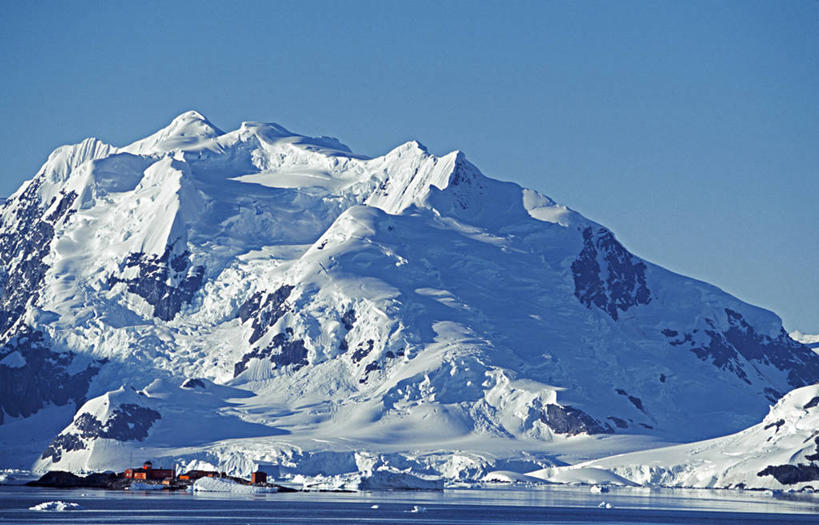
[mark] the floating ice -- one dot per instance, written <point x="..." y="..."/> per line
<point x="55" y="506"/>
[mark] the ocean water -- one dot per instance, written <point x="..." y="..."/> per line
<point x="486" y="505"/>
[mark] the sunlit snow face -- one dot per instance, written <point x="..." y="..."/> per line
<point x="303" y="305"/>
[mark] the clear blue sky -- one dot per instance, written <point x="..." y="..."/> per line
<point x="691" y="129"/>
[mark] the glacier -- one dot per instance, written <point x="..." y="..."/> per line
<point x="259" y="298"/>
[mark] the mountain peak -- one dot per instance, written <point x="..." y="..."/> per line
<point x="193" y="123"/>
<point x="190" y="115"/>
<point x="185" y="131"/>
<point x="412" y="145"/>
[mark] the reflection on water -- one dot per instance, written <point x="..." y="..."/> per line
<point x="543" y="504"/>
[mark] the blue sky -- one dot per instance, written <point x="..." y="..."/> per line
<point x="691" y="129"/>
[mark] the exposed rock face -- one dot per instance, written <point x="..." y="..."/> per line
<point x="193" y="383"/>
<point x="348" y="319"/>
<point x="739" y="348"/>
<point x="40" y="376"/>
<point x="282" y="351"/>
<point x="127" y="422"/>
<point x="25" y="241"/>
<point x="61" y="444"/>
<point x="363" y="350"/>
<point x="607" y="276"/>
<point x="636" y="401"/>
<point x="791" y="474"/>
<point x="166" y="282"/>
<point x="572" y="421"/>
<point x="619" y="423"/>
<point x="796" y="471"/>
<point x="265" y="309"/>
<point x="63" y="480"/>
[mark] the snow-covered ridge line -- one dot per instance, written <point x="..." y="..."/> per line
<point x="259" y="296"/>
<point x="811" y="340"/>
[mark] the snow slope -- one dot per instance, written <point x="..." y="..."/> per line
<point x="781" y="452"/>
<point x="261" y="297"/>
<point x="810" y="340"/>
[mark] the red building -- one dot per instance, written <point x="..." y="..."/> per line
<point x="148" y="472"/>
<point x="258" y="477"/>
<point x="196" y="474"/>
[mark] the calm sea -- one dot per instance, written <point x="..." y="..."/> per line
<point x="501" y="505"/>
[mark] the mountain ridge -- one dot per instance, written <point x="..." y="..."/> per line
<point x="406" y="295"/>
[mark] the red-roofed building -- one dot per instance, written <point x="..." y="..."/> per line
<point x="148" y="472"/>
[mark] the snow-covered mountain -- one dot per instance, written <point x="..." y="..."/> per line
<point x="782" y="451"/>
<point x="262" y="296"/>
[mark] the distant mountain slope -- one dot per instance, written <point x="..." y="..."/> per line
<point x="780" y="452"/>
<point x="811" y="341"/>
<point x="400" y="301"/>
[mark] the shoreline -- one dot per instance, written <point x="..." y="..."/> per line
<point x="59" y="479"/>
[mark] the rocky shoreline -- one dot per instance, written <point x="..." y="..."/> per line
<point x="112" y="481"/>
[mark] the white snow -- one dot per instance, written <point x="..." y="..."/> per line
<point x="466" y="325"/>
<point x="573" y="475"/>
<point x="784" y="437"/>
<point x="187" y="131"/>
<point x="55" y="506"/>
<point x="230" y="486"/>
<point x="378" y="480"/>
<point x="11" y="476"/>
<point x="812" y="340"/>
<point x="384" y="479"/>
<point x="508" y="476"/>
